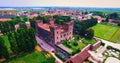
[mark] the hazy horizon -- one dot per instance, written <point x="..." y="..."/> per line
<point x="60" y="3"/>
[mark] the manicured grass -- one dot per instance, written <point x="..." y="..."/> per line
<point x="116" y="37"/>
<point x="89" y="41"/>
<point x="5" y="38"/>
<point x="74" y="48"/>
<point x="76" y="44"/>
<point x="108" y="32"/>
<point x="34" y="57"/>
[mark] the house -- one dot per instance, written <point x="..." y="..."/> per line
<point x="114" y="21"/>
<point x="4" y="18"/>
<point x="99" y="18"/>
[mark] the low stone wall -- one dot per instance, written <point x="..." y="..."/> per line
<point x="96" y="45"/>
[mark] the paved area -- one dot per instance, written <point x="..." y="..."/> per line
<point x="115" y="45"/>
<point x="112" y="60"/>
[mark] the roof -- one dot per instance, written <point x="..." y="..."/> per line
<point x="81" y="56"/>
<point x="44" y="26"/>
<point x="4" y="19"/>
<point x="7" y="16"/>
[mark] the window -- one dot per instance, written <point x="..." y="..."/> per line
<point x="70" y="32"/>
<point x="57" y="32"/>
<point x="57" y="37"/>
<point x="61" y="36"/>
<point x="64" y="34"/>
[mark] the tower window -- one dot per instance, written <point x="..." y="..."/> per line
<point x="61" y="36"/>
<point x="64" y="34"/>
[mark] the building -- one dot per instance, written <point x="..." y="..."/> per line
<point x="99" y="18"/>
<point x="114" y="21"/>
<point x="4" y="18"/>
<point x="53" y="34"/>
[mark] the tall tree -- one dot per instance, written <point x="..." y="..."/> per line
<point x="113" y="16"/>
<point x="13" y="43"/>
<point x="89" y="33"/>
<point x="3" y="49"/>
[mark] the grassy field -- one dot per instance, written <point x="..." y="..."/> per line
<point x="108" y="32"/>
<point x="116" y="36"/>
<point x="89" y="41"/>
<point x="34" y="57"/>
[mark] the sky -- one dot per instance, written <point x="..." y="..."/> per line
<point x="73" y="3"/>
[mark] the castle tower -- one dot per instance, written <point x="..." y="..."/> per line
<point x="38" y="22"/>
<point x="55" y="34"/>
<point x="69" y="26"/>
<point x="51" y="21"/>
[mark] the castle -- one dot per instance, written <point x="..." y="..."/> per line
<point x="53" y="34"/>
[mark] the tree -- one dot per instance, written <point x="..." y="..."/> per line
<point x="118" y="24"/>
<point x="81" y="27"/>
<point x="25" y="39"/>
<point x="31" y="37"/>
<point x="113" y="16"/>
<point x="98" y="13"/>
<point x="32" y="23"/>
<point x="75" y="44"/>
<point x="13" y="43"/>
<point x="45" y="18"/>
<point x="20" y="39"/>
<point x="61" y="19"/>
<point x="89" y="33"/>
<point x="3" y="49"/>
<point x="107" y="19"/>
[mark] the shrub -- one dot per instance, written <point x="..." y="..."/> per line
<point x="75" y="44"/>
<point x="109" y="47"/>
<point x="118" y="24"/>
<point x="103" y="44"/>
<point x="63" y="59"/>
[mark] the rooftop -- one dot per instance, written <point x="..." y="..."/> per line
<point x="46" y="26"/>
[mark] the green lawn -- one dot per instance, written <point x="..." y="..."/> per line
<point x="108" y="32"/>
<point x="75" y="48"/>
<point x="77" y="43"/>
<point x="89" y="41"/>
<point x="116" y="37"/>
<point x="34" y="57"/>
